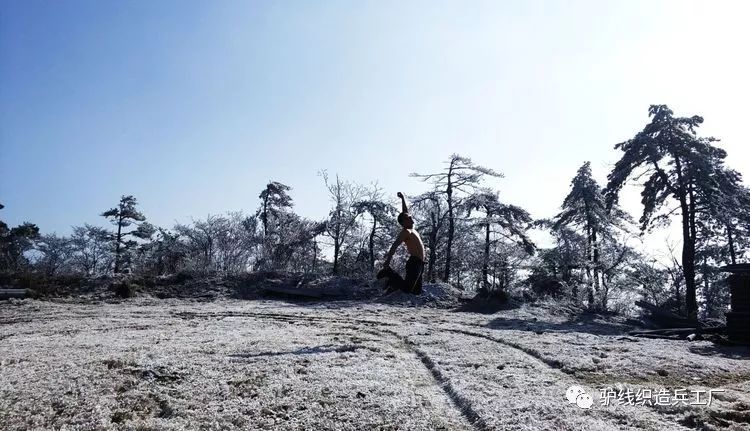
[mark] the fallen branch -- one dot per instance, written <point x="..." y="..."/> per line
<point x="667" y="318"/>
<point x="677" y="333"/>
<point x="12" y="293"/>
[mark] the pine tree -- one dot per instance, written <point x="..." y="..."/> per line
<point x="124" y="215"/>
<point x="585" y="209"/>
<point x="14" y="243"/>
<point x="679" y="165"/>
<point x="511" y="222"/>
<point x="274" y="201"/>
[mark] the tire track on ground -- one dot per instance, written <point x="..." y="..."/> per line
<point x="460" y="402"/>
<point x="276" y="316"/>
<point x="555" y="365"/>
<point x="551" y="363"/>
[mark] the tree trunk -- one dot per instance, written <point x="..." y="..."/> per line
<point x="706" y="290"/>
<point x="605" y="293"/>
<point x="337" y="236"/>
<point x="117" y="244"/>
<point x="264" y="219"/>
<point x="372" y="244"/>
<point x="504" y="276"/>
<point x="336" y="248"/>
<point x="595" y="261"/>
<point x="494" y="276"/>
<point x="315" y="255"/>
<point x="688" y="243"/>
<point x="688" y="263"/>
<point x="677" y="295"/>
<point x="486" y="261"/>
<point x="590" y="289"/>
<point x="451" y="230"/>
<point x="566" y="271"/>
<point x="732" y="251"/>
<point x="433" y="251"/>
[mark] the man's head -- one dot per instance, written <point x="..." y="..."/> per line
<point x="405" y="220"/>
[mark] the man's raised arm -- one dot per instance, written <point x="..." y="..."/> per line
<point x="404" y="209"/>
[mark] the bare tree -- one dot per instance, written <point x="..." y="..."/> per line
<point x="343" y="215"/>
<point x="380" y="213"/>
<point x="431" y="208"/>
<point x="91" y="249"/>
<point x="56" y="253"/>
<point x="457" y="179"/>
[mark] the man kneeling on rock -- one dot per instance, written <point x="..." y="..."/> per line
<point x="412" y="283"/>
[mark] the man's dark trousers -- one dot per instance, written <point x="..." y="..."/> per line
<point x="412" y="283"/>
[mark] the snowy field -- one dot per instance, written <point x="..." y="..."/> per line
<point x="147" y="364"/>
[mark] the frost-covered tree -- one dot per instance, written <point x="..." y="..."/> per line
<point x="91" y="249"/>
<point x="431" y="210"/>
<point x="680" y="167"/>
<point x="56" y="254"/>
<point x="508" y="222"/>
<point x="721" y="238"/>
<point x="343" y="216"/>
<point x="14" y="243"/>
<point x="199" y="242"/>
<point x="380" y="214"/>
<point x="275" y="201"/>
<point x="298" y="249"/>
<point x="274" y="213"/>
<point x="585" y="211"/>
<point x="124" y="215"/>
<point x="458" y="179"/>
<point x="164" y="254"/>
<point x="728" y="207"/>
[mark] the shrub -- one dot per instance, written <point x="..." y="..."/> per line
<point x="125" y="289"/>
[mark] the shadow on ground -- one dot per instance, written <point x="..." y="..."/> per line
<point x="586" y="323"/>
<point x="482" y="305"/>
<point x="730" y="352"/>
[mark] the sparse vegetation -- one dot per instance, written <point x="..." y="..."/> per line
<point x="175" y="364"/>
<point x="475" y="240"/>
<point x="158" y="332"/>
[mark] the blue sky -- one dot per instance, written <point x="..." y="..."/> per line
<point x="193" y="106"/>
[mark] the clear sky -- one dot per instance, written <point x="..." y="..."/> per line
<point x="192" y="106"/>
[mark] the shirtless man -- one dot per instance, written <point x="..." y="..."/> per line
<point x="412" y="283"/>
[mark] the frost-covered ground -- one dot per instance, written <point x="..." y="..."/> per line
<point x="178" y="364"/>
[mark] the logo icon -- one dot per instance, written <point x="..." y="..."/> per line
<point x="576" y="395"/>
